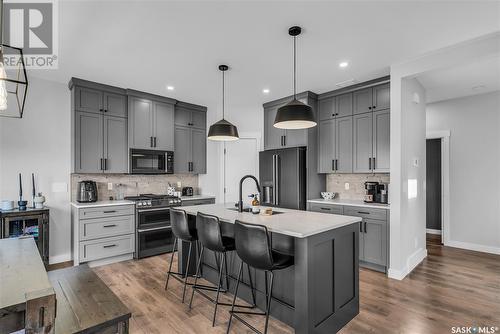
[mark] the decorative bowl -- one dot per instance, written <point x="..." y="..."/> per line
<point x="327" y="195"/>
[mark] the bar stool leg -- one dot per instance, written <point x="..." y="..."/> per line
<point x="269" y="297"/>
<point x="251" y="286"/>
<point x="196" y="277"/>
<point x="225" y="266"/>
<point x="171" y="261"/>
<point x="234" y="298"/>
<point x="186" y="273"/>
<point x="222" y="262"/>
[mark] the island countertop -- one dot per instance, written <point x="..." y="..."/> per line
<point x="294" y="223"/>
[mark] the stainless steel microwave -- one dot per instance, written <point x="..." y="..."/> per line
<point x="151" y="162"/>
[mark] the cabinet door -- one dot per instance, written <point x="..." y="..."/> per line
<point x="381" y="141"/>
<point x="381" y="97"/>
<point x="199" y="151"/>
<point x="182" y="153"/>
<point x="182" y="117"/>
<point x="140" y="123"/>
<point x="88" y="100"/>
<point x="362" y="150"/>
<point x="163" y="124"/>
<point x="375" y="241"/>
<point x="326" y="146"/>
<point x="344" y="105"/>
<point x="115" y="144"/>
<point x="115" y="105"/>
<point x="362" y="101"/>
<point x="326" y="108"/>
<point x="343" y="144"/>
<point x="88" y="142"/>
<point x="361" y="242"/>
<point x="294" y="138"/>
<point x="272" y="135"/>
<point x="199" y="119"/>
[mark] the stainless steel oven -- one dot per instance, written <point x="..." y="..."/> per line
<point x="151" y="162"/>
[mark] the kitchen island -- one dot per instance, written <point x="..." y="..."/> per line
<point x="320" y="293"/>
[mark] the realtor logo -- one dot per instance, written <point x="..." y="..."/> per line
<point x="32" y="26"/>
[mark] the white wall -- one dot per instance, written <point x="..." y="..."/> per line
<point x="40" y="143"/>
<point x="474" y="124"/>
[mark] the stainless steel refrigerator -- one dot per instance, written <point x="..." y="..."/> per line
<point x="283" y="178"/>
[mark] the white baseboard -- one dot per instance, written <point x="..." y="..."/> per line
<point x="60" y="258"/>
<point x="432" y="231"/>
<point x="474" y="247"/>
<point x="414" y="260"/>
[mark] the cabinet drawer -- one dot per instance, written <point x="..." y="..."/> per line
<point x="106" y="227"/>
<point x="103" y="248"/>
<point x="198" y="202"/>
<point x="106" y="211"/>
<point x="372" y="213"/>
<point x="326" y="208"/>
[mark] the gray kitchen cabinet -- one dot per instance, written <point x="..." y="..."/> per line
<point x="88" y="100"/>
<point x="343" y="105"/>
<point x="199" y="151"/>
<point x="182" y="153"/>
<point x="362" y="101"/>
<point x="115" y="145"/>
<point x="163" y="120"/>
<point x="362" y="143"/>
<point x="326" y="208"/>
<point x="374" y="242"/>
<point x="140" y="123"/>
<point x="381" y="141"/>
<point x="186" y="115"/>
<point x="381" y="97"/>
<point x="151" y="122"/>
<point x="115" y="104"/>
<point x="198" y="119"/>
<point x="343" y="145"/>
<point x="273" y="137"/>
<point x="327" y="108"/>
<point x="88" y="142"/>
<point x="326" y="148"/>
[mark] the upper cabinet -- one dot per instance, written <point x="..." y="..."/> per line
<point x="151" y="121"/>
<point x="275" y="138"/>
<point x="190" y="154"/>
<point x="354" y="131"/>
<point x="99" y="128"/>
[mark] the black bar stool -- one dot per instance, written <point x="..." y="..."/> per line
<point x="210" y="236"/>
<point x="253" y="246"/>
<point x="181" y="231"/>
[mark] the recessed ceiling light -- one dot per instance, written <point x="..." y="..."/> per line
<point x="265" y="91"/>
<point x="170" y="87"/>
<point x="343" y="64"/>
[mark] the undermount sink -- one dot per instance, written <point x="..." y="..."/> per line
<point x="248" y="210"/>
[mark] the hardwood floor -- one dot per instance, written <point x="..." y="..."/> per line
<point x="452" y="287"/>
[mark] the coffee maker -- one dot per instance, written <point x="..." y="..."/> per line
<point x="376" y="192"/>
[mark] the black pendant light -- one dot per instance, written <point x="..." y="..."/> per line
<point x="295" y="114"/>
<point x="223" y="130"/>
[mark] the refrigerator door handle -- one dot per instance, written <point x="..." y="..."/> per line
<point x="274" y="179"/>
<point x="277" y="177"/>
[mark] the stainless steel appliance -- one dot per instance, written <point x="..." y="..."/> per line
<point x="151" y="162"/>
<point x="152" y="220"/>
<point x="187" y="191"/>
<point x="370" y="191"/>
<point x="282" y="176"/>
<point x="86" y="192"/>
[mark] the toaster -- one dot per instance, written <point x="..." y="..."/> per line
<point x="187" y="191"/>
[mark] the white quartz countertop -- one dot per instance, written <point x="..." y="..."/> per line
<point x="101" y="203"/>
<point x="295" y="223"/>
<point x="350" y="202"/>
<point x="196" y="197"/>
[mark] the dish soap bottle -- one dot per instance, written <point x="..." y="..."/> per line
<point x="255" y="204"/>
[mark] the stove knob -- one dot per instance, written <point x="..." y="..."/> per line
<point x="144" y="203"/>
<point x="170" y="202"/>
<point x="149" y="203"/>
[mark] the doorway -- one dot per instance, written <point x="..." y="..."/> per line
<point x="434" y="208"/>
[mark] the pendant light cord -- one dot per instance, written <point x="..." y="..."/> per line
<point x="294" y="67"/>
<point x="223" y="95"/>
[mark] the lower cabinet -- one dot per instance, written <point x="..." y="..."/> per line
<point x="189" y="202"/>
<point x="373" y="232"/>
<point x="103" y="233"/>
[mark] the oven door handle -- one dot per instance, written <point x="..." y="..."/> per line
<point x="154" y="229"/>
<point x="153" y="209"/>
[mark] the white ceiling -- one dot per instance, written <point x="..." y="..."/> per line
<point x="479" y="77"/>
<point x="147" y="45"/>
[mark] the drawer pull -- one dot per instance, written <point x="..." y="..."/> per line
<point x="109" y="246"/>
<point x="363" y="213"/>
<point x="327" y="209"/>
<point x="110" y="211"/>
<point x="111" y="225"/>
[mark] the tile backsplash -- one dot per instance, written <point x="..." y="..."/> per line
<point x="336" y="183"/>
<point x="132" y="185"/>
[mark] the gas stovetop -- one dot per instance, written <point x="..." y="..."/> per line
<point x="154" y="201"/>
